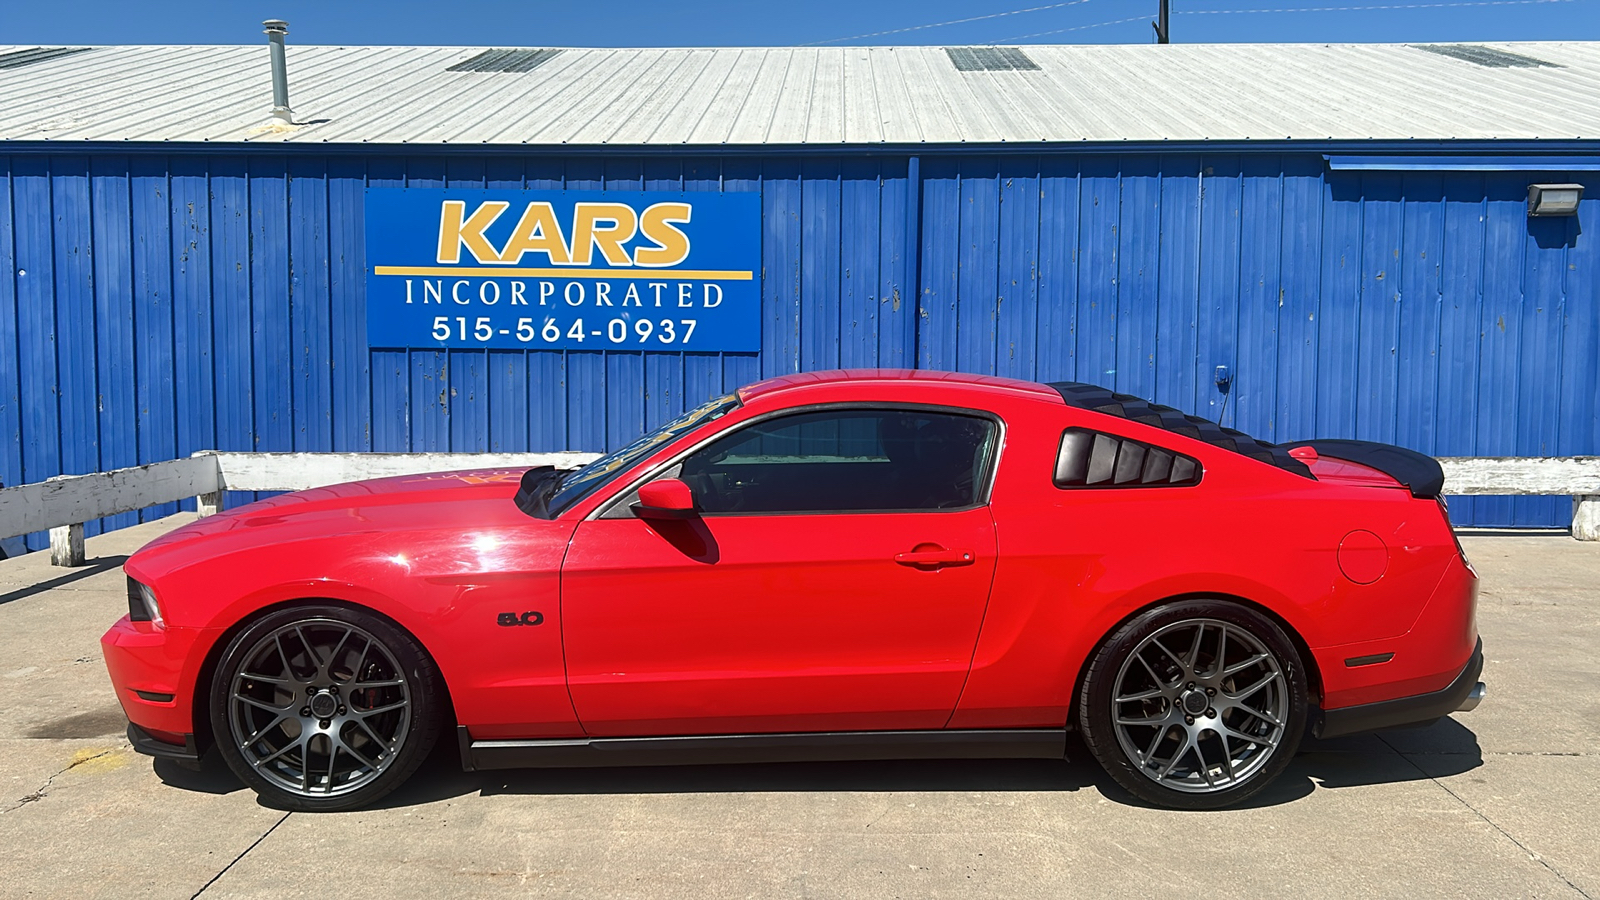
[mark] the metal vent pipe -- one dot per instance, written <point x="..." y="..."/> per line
<point x="276" y="29"/>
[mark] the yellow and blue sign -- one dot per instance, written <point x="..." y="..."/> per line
<point x="564" y="270"/>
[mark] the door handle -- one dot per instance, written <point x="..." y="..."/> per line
<point x="934" y="558"/>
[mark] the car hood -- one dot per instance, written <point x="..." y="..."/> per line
<point x="458" y="502"/>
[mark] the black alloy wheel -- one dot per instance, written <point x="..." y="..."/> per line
<point x="324" y="708"/>
<point x="1198" y="704"/>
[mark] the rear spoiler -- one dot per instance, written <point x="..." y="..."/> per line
<point x="1417" y="471"/>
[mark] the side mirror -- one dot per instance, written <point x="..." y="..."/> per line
<point x="666" y="498"/>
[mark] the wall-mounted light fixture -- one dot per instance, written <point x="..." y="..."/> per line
<point x="1554" y="199"/>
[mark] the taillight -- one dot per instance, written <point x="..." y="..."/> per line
<point x="1444" y="510"/>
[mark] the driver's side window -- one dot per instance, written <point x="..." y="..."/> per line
<point x="845" y="460"/>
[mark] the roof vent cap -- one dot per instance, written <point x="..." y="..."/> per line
<point x="275" y="30"/>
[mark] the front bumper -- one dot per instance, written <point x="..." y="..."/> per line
<point x="1461" y="695"/>
<point x="154" y="672"/>
<point x="148" y="744"/>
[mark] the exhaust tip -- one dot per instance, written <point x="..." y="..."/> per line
<point x="1473" y="698"/>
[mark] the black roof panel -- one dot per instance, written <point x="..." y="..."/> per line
<point x="16" y="59"/>
<point x="1488" y="57"/>
<point x="990" y="59"/>
<point x="512" y="60"/>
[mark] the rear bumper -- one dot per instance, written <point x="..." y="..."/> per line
<point x="1461" y="695"/>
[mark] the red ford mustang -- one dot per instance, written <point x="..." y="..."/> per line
<point x="864" y="564"/>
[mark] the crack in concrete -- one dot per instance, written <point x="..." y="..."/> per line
<point x="880" y="816"/>
<point x="44" y="788"/>
<point x="253" y="844"/>
<point x="1490" y="822"/>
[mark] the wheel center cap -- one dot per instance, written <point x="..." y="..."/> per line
<point x="1195" y="702"/>
<point x="324" y="705"/>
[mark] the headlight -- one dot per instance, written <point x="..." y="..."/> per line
<point x="142" y="605"/>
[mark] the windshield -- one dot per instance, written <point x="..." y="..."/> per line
<point x="590" y="478"/>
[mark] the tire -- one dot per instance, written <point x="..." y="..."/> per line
<point x="1179" y="727"/>
<point x="321" y="708"/>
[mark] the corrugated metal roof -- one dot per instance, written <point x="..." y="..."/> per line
<point x="820" y="96"/>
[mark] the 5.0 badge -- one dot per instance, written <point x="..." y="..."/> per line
<point x="530" y="617"/>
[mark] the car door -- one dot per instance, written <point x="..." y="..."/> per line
<point x="834" y="579"/>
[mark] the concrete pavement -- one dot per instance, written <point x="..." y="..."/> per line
<point x="1501" y="802"/>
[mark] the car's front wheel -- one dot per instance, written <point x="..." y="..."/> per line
<point x="324" y="708"/>
<point x="1197" y="704"/>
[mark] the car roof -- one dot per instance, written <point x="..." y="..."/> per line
<point x="783" y="383"/>
<point x="1094" y="398"/>
<point x="1088" y="397"/>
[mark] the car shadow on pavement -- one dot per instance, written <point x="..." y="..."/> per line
<point x="1382" y="758"/>
<point x="1332" y="764"/>
<point x="441" y="778"/>
<point x="208" y="776"/>
<point x="1367" y="759"/>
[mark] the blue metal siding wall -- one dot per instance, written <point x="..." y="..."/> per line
<point x="158" y="305"/>
<point x="1424" y="309"/>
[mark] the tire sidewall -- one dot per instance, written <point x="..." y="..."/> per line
<point x="425" y="695"/>
<point x="1095" y="708"/>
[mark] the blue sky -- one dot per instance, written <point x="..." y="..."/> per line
<point x="765" y="22"/>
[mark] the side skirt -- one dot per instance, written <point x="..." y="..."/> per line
<point x="1020" y="743"/>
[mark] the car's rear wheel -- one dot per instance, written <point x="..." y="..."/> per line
<point x="324" y="708"/>
<point x="1194" y="705"/>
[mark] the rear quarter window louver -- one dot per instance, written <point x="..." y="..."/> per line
<point x="1094" y="459"/>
